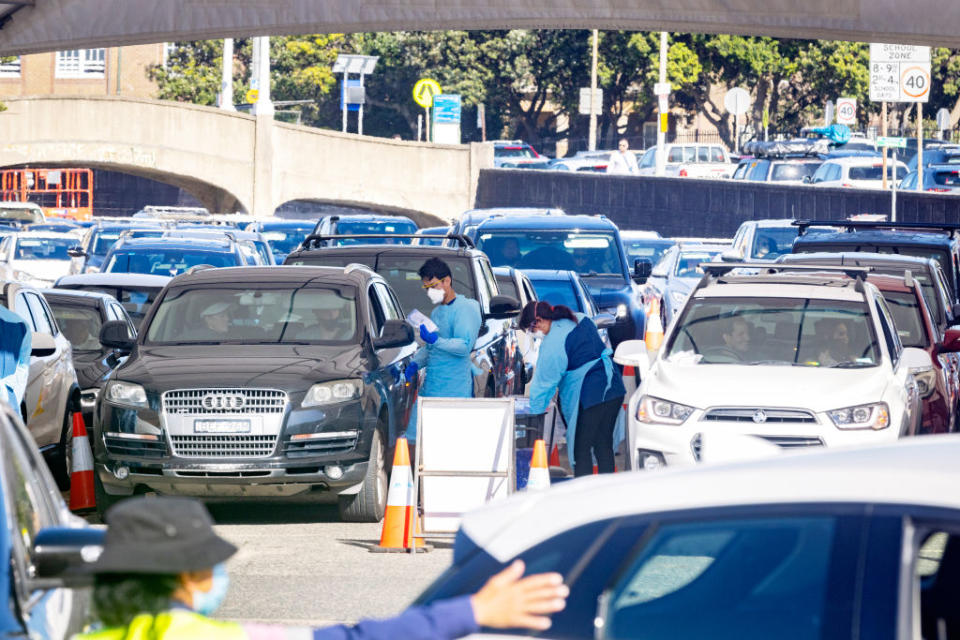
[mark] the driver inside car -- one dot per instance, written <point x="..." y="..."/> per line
<point x="736" y="337"/>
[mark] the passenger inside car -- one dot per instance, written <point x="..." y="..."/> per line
<point x="834" y="335"/>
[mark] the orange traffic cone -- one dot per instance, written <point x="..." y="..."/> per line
<point x="555" y="456"/>
<point x="82" y="497"/>
<point x="400" y="519"/>
<point x="654" y="333"/>
<point x="539" y="477"/>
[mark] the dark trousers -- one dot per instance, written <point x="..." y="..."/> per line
<point x="595" y="436"/>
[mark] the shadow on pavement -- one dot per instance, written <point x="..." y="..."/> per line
<point x="272" y="512"/>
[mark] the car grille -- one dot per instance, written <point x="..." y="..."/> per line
<point x="140" y="448"/>
<point x="770" y="416"/>
<point x="792" y="442"/>
<point x="223" y="446"/>
<point x="337" y="443"/>
<point x="254" y="401"/>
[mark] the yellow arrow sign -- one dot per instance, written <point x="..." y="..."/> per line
<point x="424" y="91"/>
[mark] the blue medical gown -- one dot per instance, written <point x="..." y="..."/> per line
<point x="15" y="346"/>
<point x="449" y="371"/>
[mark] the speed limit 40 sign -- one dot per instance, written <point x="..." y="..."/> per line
<point x="899" y="73"/>
<point x="847" y="111"/>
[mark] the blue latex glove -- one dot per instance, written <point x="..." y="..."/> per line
<point x="427" y="336"/>
<point x="411" y="371"/>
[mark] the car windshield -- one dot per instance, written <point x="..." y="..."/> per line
<point x="874" y="172"/>
<point x="246" y="314"/>
<point x="558" y="292"/>
<point x="928" y="288"/>
<point x="347" y="227"/>
<point x="514" y="152"/>
<point x="688" y="265"/>
<point x="43" y="248"/>
<point x="775" y="331"/>
<point x="947" y="178"/>
<point x="907" y="317"/>
<point x="784" y="171"/>
<point x="904" y="250"/>
<point x="21" y="214"/>
<point x="166" y="262"/>
<point x="285" y="239"/>
<point x="773" y="242"/>
<point x="80" y="325"/>
<point x="136" y="301"/>
<point x="652" y="250"/>
<point x="588" y="253"/>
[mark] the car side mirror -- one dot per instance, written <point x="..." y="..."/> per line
<point x="396" y="333"/>
<point x="632" y="353"/>
<point x="61" y="554"/>
<point x="642" y="268"/>
<point x="915" y="358"/>
<point x="951" y="341"/>
<point x="731" y="255"/>
<point x="807" y="179"/>
<point x="76" y="252"/>
<point x="604" y="320"/>
<point x="42" y="345"/>
<point x="115" y="334"/>
<point x="503" y="307"/>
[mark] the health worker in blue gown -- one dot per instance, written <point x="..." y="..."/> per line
<point x="15" y="343"/>
<point x="446" y="351"/>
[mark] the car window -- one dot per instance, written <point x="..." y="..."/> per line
<point x="675" y="154"/>
<point x="22" y="309"/>
<point x="947" y="178"/>
<point x="508" y="286"/>
<point x="558" y="292"/>
<point x="783" y="171"/>
<point x="758" y="171"/>
<point x="377" y="316"/>
<point x="488" y="283"/>
<point x="688" y="263"/>
<point x="717" y="155"/>
<point x="528" y="289"/>
<point x="936" y="579"/>
<point x="589" y="253"/>
<point x="80" y="325"/>
<point x="662" y="268"/>
<point x="907" y="318"/>
<point x="773" y="242"/>
<point x="741" y="170"/>
<point x="836" y="172"/>
<point x="752" y="578"/>
<point x="590" y="307"/>
<point x="40" y="315"/>
<point x="649" y="158"/>
<point x="391" y="310"/>
<point x="43" y="248"/>
<point x="689" y="154"/>
<point x="167" y="262"/>
<point x="703" y="154"/>
<point x="894" y="346"/>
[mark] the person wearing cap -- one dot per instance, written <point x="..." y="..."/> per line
<point x="446" y="351"/>
<point x="331" y="315"/>
<point x="161" y="575"/>
<point x="574" y="361"/>
<point x="216" y="319"/>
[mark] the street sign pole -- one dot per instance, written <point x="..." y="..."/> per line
<point x="883" y="132"/>
<point x="419" y="127"/>
<point x="426" y="117"/>
<point x="919" y="146"/>
<point x="661" y="154"/>
<point x="343" y="101"/>
<point x="592" y="141"/>
<point x="893" y="194"/>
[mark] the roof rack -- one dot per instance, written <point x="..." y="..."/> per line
<point x="314" y="241"/>
<point x="799" y="148"/>
<point x="719" y="269"/>
<point x="851" y="225"/>
<point x="197" y="233"/>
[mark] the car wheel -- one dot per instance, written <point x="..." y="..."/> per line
<point x="370" y="503"/>
<point x="104" y="499"/>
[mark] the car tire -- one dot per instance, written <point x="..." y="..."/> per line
<point x="104" y="499"/>
<point x="63" y="458"/>
<point x="370" y="503"/>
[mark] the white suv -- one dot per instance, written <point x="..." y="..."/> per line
<point x="802" y="357"/>
<point x="689" y="161"/>
<point x="859" y="172"/>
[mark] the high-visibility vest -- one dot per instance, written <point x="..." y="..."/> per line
<point x="178" y="623"/>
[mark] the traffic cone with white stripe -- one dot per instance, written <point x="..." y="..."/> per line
<point x="539" y="477"/>
<point x="400" y="519"/>
<point x="654" y="330"/>
<point x="82" y="497"/>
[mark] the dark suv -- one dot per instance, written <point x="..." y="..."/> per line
<point x="259" y="381"/>
<point x="498" y="362"/>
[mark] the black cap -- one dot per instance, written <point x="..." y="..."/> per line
<point x="160" y="535"/>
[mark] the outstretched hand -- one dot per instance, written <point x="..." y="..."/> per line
<point x="428" y="336"/>
<point x="510" y="601"/>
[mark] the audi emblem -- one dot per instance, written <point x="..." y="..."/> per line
<point x="760" y="416"/>
<point x="222" y="401"/>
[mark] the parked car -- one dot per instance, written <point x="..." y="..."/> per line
<point x="172" y="256"/>
<point x="589" y="245"/>
<point x="583" y="161"/>
<point x="45" y="546"/>
<point x="357" y="225"/>
<point x="927" y="240"/>
<point x="946" y="154"/>
<point x="52" y="393"/>
<point x="702" y="552"/>
<point x="88" y="255"/>
<point x="134" y="291"/>
<point x="761" y="240"/>
<point x="700" y="160"/>
<point x="937" y="178"/>
<point x="787" y="170"/>
<point x="466" y="225"/>
<point x="517" y="154"/>
<point x="80" y="316"/>
<point x="283" y="235"/>
<point x="515" y="284"/>
<point x="36" y="258"/>
<point x="254" y="247"/>
<point x="857" y="172"/>
<point x="566" y="288"/>
<point x="23" y="213"/>
<point x="495" y="355"/>
<point x="259" y="382"/>
<point x="793" y="355"/>
<point x="678" y="273"/>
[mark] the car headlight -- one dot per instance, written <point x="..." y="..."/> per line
<point x="332" y="392"/>
<point x="874" y="416"/>
<point x="926" y="381"/>
<point x="621" y="310"/>
<point x="678" y="298"/>
<point x="654" y="410"/>
<point x="126" y="393"/>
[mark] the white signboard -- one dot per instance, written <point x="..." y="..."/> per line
<point x="846" y="111"/>
<point x="585" y="101"/>
<point x="737" y="101"/>
<point x="899" y="73"/>
<point x="465" y="456"/>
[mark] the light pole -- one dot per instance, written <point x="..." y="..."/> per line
<point x="226" y="77"/>
<point x="261" y="47"/>
<point x="662" y="96"/>
<point x="592" y="141"/>
<point x="353" y="94"/>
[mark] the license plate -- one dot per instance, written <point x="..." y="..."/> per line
<point x="221" y="426"/>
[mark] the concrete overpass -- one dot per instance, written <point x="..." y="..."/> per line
<point x="232" y="161"/>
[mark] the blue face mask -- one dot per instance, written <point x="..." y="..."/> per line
<point x="206" y="602"/>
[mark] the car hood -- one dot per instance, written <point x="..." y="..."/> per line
<point x="609" y="292"/>
<point x="42" y="269"/>
<point x="728" y="385"/>
<point x="291" y="368"/>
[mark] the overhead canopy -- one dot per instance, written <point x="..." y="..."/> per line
<point x="30" y="26"/>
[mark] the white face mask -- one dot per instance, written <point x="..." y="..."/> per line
<point x="536" y="334"/>
<point x="436" y="295"/>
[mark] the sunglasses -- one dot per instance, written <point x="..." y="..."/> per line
<point x="433" y="283"/>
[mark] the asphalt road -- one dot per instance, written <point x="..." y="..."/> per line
<point x="298" y="564"/>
